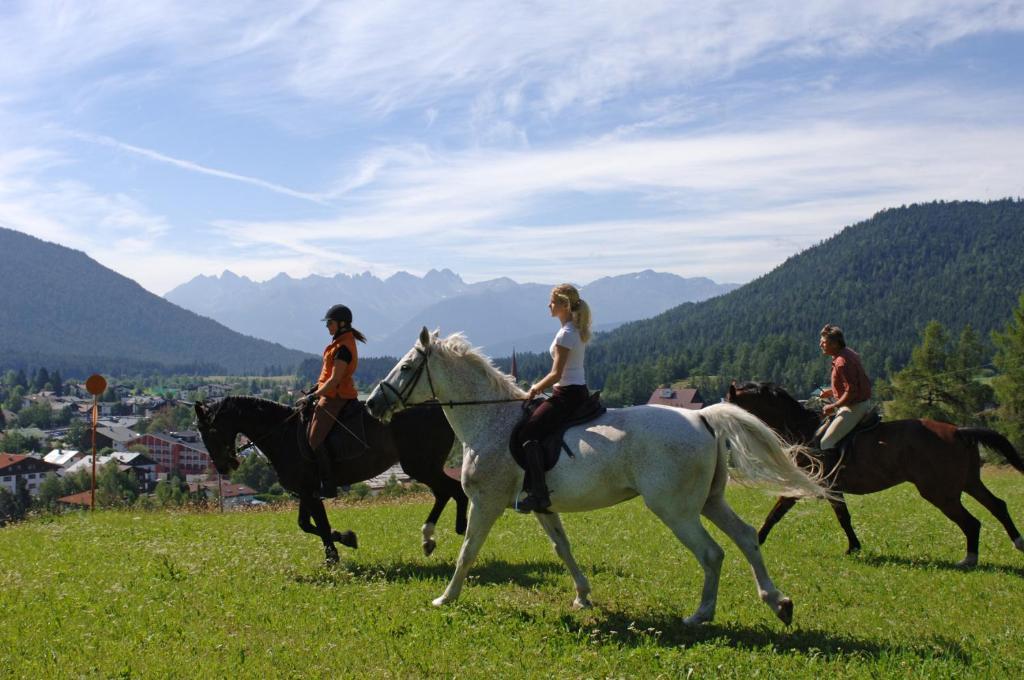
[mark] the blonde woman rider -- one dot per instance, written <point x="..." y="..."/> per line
<point x="570" y="389"/>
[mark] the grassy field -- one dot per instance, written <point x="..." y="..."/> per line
<point x="123" y="594"/>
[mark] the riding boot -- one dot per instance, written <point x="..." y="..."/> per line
<point x="829" y="459"/>
<point x="537" y="500"/>
<point x="328" y="487"/>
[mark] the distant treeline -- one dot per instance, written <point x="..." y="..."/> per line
<point x="81" y="367"/>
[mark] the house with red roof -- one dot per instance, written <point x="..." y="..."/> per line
<point x="687" y="397"/>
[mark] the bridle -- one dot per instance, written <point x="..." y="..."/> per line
<point x="253" y="441"/>
<point x="401" y="397"/>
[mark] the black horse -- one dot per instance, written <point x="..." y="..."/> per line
<point x="420" y="440"/>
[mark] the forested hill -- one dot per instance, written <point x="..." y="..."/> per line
<point x="61" y="309"/>
<point x="881" y="280"/>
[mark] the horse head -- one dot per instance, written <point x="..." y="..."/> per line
<point x="776" y="407"/>
<point x="219" y="443"/>
<point x="403" y="386"/>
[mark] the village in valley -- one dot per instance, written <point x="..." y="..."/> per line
<point x="147" y="450"/>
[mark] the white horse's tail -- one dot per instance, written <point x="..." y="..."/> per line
<point x="758" y="455"/>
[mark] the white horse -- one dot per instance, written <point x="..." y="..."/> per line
<point x="675" y="459"/>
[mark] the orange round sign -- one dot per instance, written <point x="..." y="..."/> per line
<point x="96" y="384"/>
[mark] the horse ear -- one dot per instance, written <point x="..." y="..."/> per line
<point x="425" y="337"/>
<point x="201" y="412"/>
<point x="732" y="391"/>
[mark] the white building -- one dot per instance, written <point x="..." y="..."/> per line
<point x="15" y="466"/>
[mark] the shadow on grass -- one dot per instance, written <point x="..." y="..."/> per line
<point x="491" y="571"/>
<point x="880" y="560"/>
<point x="670" y="631"/>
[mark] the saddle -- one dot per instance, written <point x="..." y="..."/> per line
<point x="845" y="446"/>
<point x="347" y="438"/>
<point x="554" y="443"/>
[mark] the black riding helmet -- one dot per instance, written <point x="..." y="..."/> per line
<point x="339" y="313"/>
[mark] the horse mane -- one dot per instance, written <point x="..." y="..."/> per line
<point x="770" y="389"/>
<point x="264" y="407"/>
<point x="457" y="345"/>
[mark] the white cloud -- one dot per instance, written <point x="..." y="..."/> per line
<point x="389" y="55"/>
<point x="724" y="180"/>
<point x="769" y="193"/>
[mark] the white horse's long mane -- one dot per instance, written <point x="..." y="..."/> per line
<point x="457" y="345"/>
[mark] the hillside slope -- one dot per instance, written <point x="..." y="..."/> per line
<point x="882" y="280"/>
<point x="64" y="310"/>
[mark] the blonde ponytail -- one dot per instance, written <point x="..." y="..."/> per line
<point x="567" y="293"/>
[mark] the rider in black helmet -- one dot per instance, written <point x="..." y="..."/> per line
<point x="335" y="388"/>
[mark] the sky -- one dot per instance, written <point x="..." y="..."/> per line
<point x="543" y="141"/>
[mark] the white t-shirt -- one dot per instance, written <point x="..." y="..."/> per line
<point x="569" y="338"/>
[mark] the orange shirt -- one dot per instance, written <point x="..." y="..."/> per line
<point x="342" y="347"/>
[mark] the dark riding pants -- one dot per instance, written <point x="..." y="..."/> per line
<point x="325" y="415"/>
<point x="553" y="412"/>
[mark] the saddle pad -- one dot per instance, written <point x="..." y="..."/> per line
<point x="554" y="443"/>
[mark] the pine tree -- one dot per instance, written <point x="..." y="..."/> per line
<point x="1009" y="384"/>
<point x="939" y="382"/>
<point x="42" y="377"/>
<point x="920" y="390"/>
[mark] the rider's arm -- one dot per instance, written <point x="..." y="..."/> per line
<point x="557" y="366"/>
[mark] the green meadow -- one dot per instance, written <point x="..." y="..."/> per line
<point x="246" y="594"/>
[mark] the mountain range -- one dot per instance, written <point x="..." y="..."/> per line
<point x="63" y="310"/>
<point x="498" y="314"/>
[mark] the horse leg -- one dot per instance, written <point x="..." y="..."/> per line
<point x="843" y="515"/>
<point x="321" y="528"/>
<point x="952" y="508"/>
<point x="461" y="511"/>
<point x="552" y="524"/>
<point x="346" y="538"/>
<point x="742" y="534"/>
<point x="782" y="506"/>
<point x="691" y="533"/>
<point x="429" y="543"/>
<point x="483" y="513"/>
<point x="997" y="506"/>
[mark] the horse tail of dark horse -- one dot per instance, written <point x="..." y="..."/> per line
<point x="993" y="440"/>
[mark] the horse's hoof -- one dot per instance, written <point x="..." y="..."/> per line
<point x="785" y="611"/>
<point x="331" y="556"/>
<point x="696" y="619"/>
<point x="428" y="547"/>
<point x="969" y="562"/>
<point x="853" y="549"/>
<point x="347" y="539"/>
<point x="1018" y="543"/>
<point x="440" y="601"/>
<point x="582" y="603"/>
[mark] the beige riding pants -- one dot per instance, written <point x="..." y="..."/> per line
<point x="845" y="420"/>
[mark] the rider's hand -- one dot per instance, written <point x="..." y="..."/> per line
<point x="827" y="410"/>
<point x="532" y="393"/>
<point x="303" y="400"/>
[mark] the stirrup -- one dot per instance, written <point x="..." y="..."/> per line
<point x="531" y="504"/>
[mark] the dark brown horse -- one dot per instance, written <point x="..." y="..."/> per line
<point x="420" y="440"/>
<point x="940" y="459"/>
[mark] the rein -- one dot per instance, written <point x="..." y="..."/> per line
<point x="253" y="440"/>
<point x="424" y="367"/>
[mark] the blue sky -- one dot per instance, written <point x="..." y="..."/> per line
<point x="543" y="141"/>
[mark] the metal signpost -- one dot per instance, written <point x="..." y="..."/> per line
<point x="95" y="385"/>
